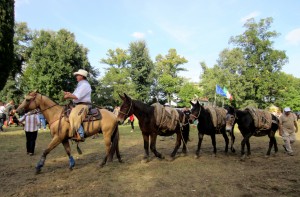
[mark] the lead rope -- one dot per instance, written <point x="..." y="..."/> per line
<point x="181" y="126"/>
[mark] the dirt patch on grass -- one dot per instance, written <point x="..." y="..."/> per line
<point x="224" y="175"/>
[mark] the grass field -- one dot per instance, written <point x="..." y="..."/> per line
<point x="224" y="175"/>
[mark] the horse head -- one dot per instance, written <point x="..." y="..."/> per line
<point x="195" y="111"/>
<point x="125" y="109"/>
<point x="230" y="118"/>
<point x="30" y="102"/>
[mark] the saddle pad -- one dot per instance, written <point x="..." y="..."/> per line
<point x="166" y="117"/>
<point x="218" y="116"/>
<point x="262" y="119"/>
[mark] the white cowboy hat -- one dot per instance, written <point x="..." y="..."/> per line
<point x="287" y="109"/>
<point x="81" y="72"/>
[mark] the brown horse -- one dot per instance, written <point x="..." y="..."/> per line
<point x="147" y="123"/>
<point x="59" y="128"/>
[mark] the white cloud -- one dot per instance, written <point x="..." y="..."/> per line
<point x="293" y="37"/>
<point x="138" y="35"/>
<point x="251" y="15"/>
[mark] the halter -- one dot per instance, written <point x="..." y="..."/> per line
<point x="36" y="106"/>
<point x="126" y="114"/>
<point x="196" y="117"/>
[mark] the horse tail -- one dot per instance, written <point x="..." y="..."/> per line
<point x="114" y="143"/>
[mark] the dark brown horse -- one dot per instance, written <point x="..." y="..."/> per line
<point x="59" y="127"/>
<point x="247" y="128"/>
<point x="205" y="126"/>
<point x="147" y="123"/>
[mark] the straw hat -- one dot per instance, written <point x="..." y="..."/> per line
<point x="81" y="72"/>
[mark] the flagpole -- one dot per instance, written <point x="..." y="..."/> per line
<point x="215" y="96"/>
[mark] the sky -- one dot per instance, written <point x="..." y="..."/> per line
<point x="198" y="29"/>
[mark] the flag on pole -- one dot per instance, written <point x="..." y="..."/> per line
<point x="228" y="95"/>
<point x="220" y="91"/>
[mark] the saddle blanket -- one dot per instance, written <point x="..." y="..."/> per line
<point x="218" y="116"/>
<point x="262" y="119"/>
<point x="166" y="117"/>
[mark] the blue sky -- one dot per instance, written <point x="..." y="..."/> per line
<point x="199" y="30"/>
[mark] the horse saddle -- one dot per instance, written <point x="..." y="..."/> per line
<point x="93" y="114"/>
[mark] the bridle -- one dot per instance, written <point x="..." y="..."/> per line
<point x="36" y="106"/>
<point x="196" y="117"/>
<point x="126" y="114"/>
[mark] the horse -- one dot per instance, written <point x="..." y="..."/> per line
<point x="147" y="123"/>
<point x="59" y="128"/>
<point x="205" y="126"/>
<point x="247" y="128"/>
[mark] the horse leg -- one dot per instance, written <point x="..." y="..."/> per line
<point x="271" y="143"/>
<point x="146" y="148"/>
<point x="200" y="136"/>
<point x="226" y="140"/>
<point x="54" y="142"/>
<point x="107" y="142"/>
<point x="232" y="141"/>
<point x="153" y="146"/>
<point x="213" y="141"/>
<point x="66" y="145"/>
<point x="177" y="145"/>
<point x="275" y="144"/>
<point x="245" y="141"/>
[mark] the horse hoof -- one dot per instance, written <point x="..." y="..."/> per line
<point x="171" y="158"/>
<point x="121" y="161"/>
<point x="196" y="156"/>
<point x="233" y="150"/>
<point x="267" y="156"/>
<point x="37" y="171"/>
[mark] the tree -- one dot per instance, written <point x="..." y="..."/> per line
<point x="22" y="40"/>
<point x="141" y="70"/>
<point x="7" y="21"/>
<point x="250" y="70"/>
<point x="166" y="70"/>
<point x="53" y="58"/>
<point x="188" y="91"/>
<point x="263" y="62"/>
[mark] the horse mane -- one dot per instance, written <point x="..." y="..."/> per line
<point x="145" y="107"/>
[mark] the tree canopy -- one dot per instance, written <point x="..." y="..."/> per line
<point x="7" y="56"/>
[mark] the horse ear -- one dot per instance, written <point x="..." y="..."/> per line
<point x="126" y="96"/>
<point x="122" y="97"/>
<point x="192" y="103"/>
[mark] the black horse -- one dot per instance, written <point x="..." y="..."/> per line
<point x="247" y="128"/>
<point x="147" y="123"/>
<point x="205" y="126"/>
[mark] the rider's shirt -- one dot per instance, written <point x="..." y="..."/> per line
<point x="83" y="92"/>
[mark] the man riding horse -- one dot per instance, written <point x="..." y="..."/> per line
<point x="82" y="100"/>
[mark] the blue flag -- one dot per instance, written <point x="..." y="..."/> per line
<point x="220" y="91"/>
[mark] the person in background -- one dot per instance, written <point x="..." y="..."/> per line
<point x="32" y="121"/>
<point x="116" y="110"/>
<point x="287" y="129"/>
<point x="9" y="107"/>
<point x="131" y="119"/>
<point x="2" y="115"/>
<point x="42" y="121"/>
